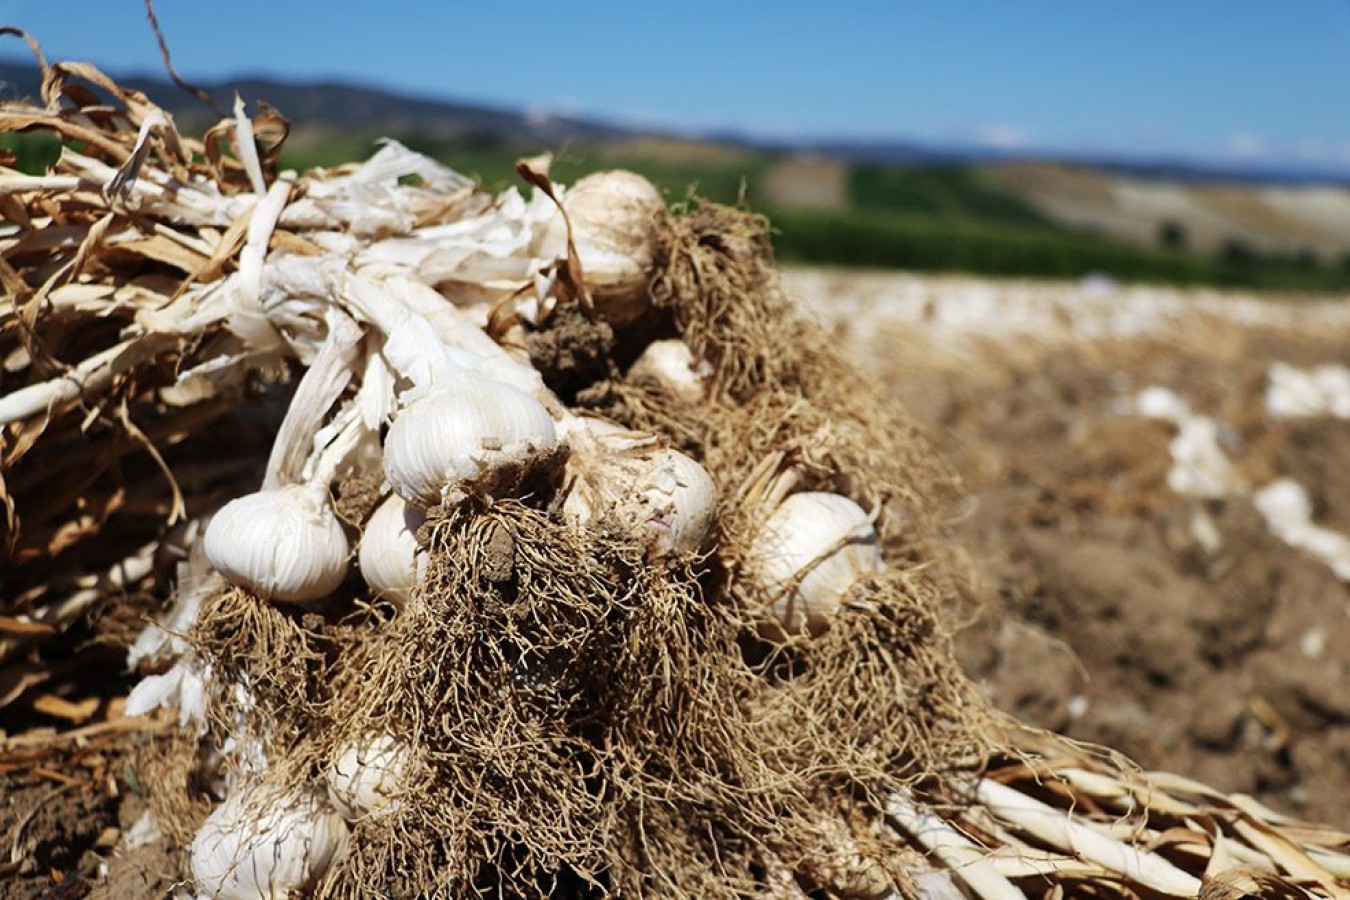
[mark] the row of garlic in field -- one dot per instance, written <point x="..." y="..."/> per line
<point x="1093" y="308"/>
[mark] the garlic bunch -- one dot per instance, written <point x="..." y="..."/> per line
<point x="265" y="842"/>
<point x="468" y="435"/>
<point x="281" y="543"/>
<point x="671" y="365"/>
<point x="390" y="560"/>
<point x="364" y="778"/>
<point x="808" y="555"/>
<point x="614" y="218"/>
<point x="653" y="492"/>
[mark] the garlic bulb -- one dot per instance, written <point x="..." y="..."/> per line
<point x="466" y="436"/>
<point x="264" y="842"/>
<point x="614" y="217"/>
<point x="808" y="554"/>
<point x="364" y="778"/>
<point x="669" y="364"/>
<point x="282" y="544"/>
<point x="659" y="494"/>
<point x="390" y="560"/>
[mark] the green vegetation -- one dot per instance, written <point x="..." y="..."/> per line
<point x="949" y="193"/>
<point x="35" y="151"/>
<point x="910" y="241"/>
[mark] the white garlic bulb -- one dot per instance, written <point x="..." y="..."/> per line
<point x="390" y="560"/>
<point x="282" y="544"/>
<point x="464" y="437"/>
<point x="614" y="217"/>
<point x="671" y="365"/>
<point x="264" y="842"/>
<point x="656" y="493"/>
<point x="807" y="556"/>
<point x="364" y="778"/>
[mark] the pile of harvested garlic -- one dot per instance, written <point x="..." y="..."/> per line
<point x="404" y="386"/>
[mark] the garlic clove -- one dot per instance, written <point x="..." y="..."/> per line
<point x="660" y="495"/>
<point x="475" y="434"/>
<point x="282" y="544"/>
<point x="265" y="842"/>
<point x="670" y="365"/>
<point x="807" y="556"/>
<point x="390" y="559"/>
<point x="614" y="217"/>
<point x="364" y="778"/>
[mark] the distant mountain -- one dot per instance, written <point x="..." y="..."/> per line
<point x="342" y="106"/>
<point x="362" y="109"/>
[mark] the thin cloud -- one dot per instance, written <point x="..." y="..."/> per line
<point x="1002" y="137"/>
<point x="1247" y="145"/>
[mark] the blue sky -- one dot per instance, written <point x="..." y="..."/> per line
<point x="1219" y="80"/>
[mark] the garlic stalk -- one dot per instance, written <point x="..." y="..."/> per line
<point x="624" y="477"/>
<point x="265" y="842"/>
<point x="614" y="217"/>
<point x="364" y="778"/>
<point x="391" y="561"/>
<point x="323" y="382"/>
<point x="808" y="555"/>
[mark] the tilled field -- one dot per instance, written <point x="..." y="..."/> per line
<point x="1137" y="582"/>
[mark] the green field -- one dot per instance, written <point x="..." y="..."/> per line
<point x="927" y="218"/>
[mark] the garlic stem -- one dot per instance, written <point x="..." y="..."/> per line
<point x="411" y="345"/>
<point x="321" y="385"/>
<point x="955" y="850"/>
<point x="248" y="149"/>
<point x="333" y="445"/>
<point x="93" y="374"/>
<point x="248" y="319"/>
<point x="1059" y="829"/>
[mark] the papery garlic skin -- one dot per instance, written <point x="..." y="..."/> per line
<point x="264" y="843"/>
<point x="463" y="438"/>
<point x="614" y="217"/>
<point x="389" y="557"/>
<point x="658" y="494"/>
<point x="670" y="364"/>
<point x="282" y="544"/>
<point x="808" y="555"/>
<point x="364" y="778"/>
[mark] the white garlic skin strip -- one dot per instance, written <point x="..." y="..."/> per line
<point x="390" y="560"/>
<point x="656" y="493"/>
<point x="282" y="544"/>
<point x="263" y="842"/>
<point x="670" y="364"/>
<point x="364" y="778"/>
<point x="809" y="553"/>
<point x="614" y="217"/>
<point x="455" y="440"/>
